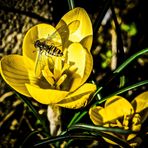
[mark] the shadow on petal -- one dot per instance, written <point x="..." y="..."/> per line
<point x="87" y="42"/>
<point x="140" y="104"/>
<point x="84" y="26"/>
<point x="46" y="96"/>
<point x="79" y="98"/>
<point x="15" y="73"/>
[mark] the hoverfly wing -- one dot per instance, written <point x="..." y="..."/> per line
<point x="64" y="30"/>
<point x="73" y="26"/>
<point x="37" y="68"/>
<point x="40" y="62"/>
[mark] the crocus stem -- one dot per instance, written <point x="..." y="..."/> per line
<point x="54" y="118"/>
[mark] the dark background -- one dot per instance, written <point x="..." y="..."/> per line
<point x="17" y="16"/>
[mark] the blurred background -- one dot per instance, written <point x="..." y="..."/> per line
<point x="17" y="16"/>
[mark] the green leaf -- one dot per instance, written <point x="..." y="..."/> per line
<point x="91" y="133"/>
<point x="66" y="137"/>
<point x="145" y="82"/>
<point x="120" y="68"/>
<point x="74" y="119"/>
<point x="71" y="4"/>
<point x="129" y="60"/>
<point x="28" y="137"/>
<point x="92" y="128"/>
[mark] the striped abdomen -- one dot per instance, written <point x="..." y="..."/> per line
<point x="50" y="49"/>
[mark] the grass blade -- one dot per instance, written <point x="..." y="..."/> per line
<point x="145" y="82"/>
<point x="129" y="60"/>
<point x="71" y="4"/>
<point x="92" y="128"/>
<point x="119" y="69"/>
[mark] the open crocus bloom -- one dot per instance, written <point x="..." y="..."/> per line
<point x="118" y="112"/>
<point x="51" y="79"/>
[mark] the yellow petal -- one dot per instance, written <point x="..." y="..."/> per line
<point x="48" y="77"/>
<point x="78" y="98"/>
<point x="88" y="66"/>
<point x="40" y="62"/>
<point x="15" y="73"/>
<point x="39" y="31"/>
<point x="86" y="42"/>
<point x="73" y="26"/>
<point x="115" y="107"/>
<point x="57" y="68"/>
<point x="46" y="96"/>
<point x="82" y="60"/>
<point x="95" y="116"/>
<point x="110" y="141"/>
<point x="65" y="30"/>
<point x="61" y="80"/>
<point x="83" y="24"/>
<point x="130" y="136"/>
<point x="140" y="104"/>
<point x="77" y="56"/>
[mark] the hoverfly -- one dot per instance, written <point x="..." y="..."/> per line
<point x="50" y="49"/>
<point x="47" y="46"/>
<point x="44" y="51"/>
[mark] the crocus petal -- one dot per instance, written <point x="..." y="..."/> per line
<point x="140" y="104"/>
<point x="88" y="66"/>
<point x="57" y="68"/>
<point x="77" y="56"/>
<point x="115" y="107"/>
<point x="86" y="42"/>
<point x="41" y="31"/>
<point x="63" y="30"/>
<point x="15" y="72"/>
<point x="46" y="96"/>
<point x="78" y="98"/>
<point x="82" y="60"/>
<point x="95" y="116"/>
<point x="81" y="20"/>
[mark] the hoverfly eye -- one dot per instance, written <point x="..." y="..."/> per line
<point x="37" y="43"/>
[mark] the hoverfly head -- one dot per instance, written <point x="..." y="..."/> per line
<point x="37" y="43"/>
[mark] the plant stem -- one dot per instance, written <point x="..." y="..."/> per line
<point x="54" y="117"/>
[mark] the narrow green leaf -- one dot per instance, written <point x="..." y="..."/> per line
<point x="28" y="137"/>
<point x="73" y="119"/>
<point x="145" y="82"/>
<point x="129" y="60"/>
<point x="120" y="68"/>
<point x="71" y="4"/>
<point x="66" y="137"/>
<point x="119" y="141"/>
<point x="92" y="128"/>
<point x="80" y="117"/>
<point x="82" y="136"/>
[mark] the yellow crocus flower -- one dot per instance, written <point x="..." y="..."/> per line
<point x="50" y="79"/>
<point x="118" y="112"/>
